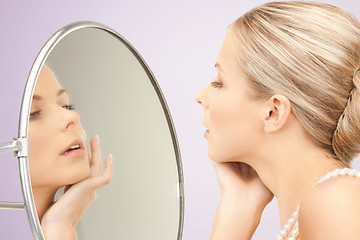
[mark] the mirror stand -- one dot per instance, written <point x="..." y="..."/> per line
<point x="20" y="147"/>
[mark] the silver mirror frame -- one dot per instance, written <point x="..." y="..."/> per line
<point x="29" y="204"/>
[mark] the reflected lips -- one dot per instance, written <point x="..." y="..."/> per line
<point x="206" y="132"/>
<point x="74" y="150"/>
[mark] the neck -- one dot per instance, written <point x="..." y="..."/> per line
<point x="290" y="184"/>
<point x="291" y="168"/>
<point x="43" y="197"/>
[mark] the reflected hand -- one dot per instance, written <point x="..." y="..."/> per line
<point x="61" y="218"/>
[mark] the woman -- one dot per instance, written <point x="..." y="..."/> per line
<point x="283" y="112"/>
<point x="59" y="157"/>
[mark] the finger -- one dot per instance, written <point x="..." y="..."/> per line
<point x="106" y="175"/>
<point x="109" y="168"/>
<point x="96" y="164"/>
<point x="220" y="170"/>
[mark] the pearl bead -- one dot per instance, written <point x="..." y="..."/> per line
<point x="286" y="226"/>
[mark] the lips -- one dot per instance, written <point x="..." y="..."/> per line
<point x="206" y="131"/>
<point x="74" y="149"/>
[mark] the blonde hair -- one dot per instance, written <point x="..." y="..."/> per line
<point x="310" y="53"/>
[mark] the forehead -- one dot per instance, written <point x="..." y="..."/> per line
<point x="227" y="57"/>
<point x="47" y="84"/>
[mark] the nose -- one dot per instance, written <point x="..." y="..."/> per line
<point x="69" y="119"/>
<point x="200" y="97"/>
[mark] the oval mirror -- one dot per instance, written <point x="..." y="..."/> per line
<point x="118" y="98"/>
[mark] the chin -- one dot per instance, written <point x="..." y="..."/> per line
<point x="215" y="156"/>
<point x="75" y="174"/>
<point x="221" y="158"/>
<point x="81" y="174"/>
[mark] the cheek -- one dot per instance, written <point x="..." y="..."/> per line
<point x="41" y="138"/>
<point x="227" y="115"/>
<point x="233" y="131"/>
<point x="41" y="150"/>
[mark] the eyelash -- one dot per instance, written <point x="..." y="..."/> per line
<point x="34" y="114"/>
<point x="69" y="107"/>
<point x="216" y="84"/>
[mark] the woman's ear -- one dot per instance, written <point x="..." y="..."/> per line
<point x="278" y="109"/>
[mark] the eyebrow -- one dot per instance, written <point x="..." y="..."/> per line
<point x="61" y="91"/>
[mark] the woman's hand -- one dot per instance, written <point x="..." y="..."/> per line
<point x="61" y="218"/>
<point x="239" y="180"/>
<point x="243" y="198"/>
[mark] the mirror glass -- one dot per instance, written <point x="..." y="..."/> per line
<point x="118" y="99"/>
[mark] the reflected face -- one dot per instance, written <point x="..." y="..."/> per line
<point x="58" y="152"/>
<point x="230" y="113"/>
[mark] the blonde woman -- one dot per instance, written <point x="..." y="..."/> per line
<point x="283" y="120"/>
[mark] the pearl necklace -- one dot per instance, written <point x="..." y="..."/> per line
<point x="290" y="230"/>
<point x="291" y="224"/>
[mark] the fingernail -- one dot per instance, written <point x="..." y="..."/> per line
<point x="111" y="157"/>
<point x="97" y="138"/>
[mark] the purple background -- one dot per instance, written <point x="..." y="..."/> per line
<point x="178" y="39"/>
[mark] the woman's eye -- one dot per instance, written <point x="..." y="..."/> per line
<point x="216" y="84"/>
<point x="34" y="114"/>
<point x="69" y="107"/>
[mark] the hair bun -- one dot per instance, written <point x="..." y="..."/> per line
<point x="346" y="137"/>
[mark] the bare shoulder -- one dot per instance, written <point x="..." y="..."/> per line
<point x="331" y="210"/>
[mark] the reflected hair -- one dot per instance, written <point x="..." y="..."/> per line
<point x="310" y="53"/>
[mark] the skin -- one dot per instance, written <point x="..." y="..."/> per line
<point x="259" y="149"/>
<point x="53" y="126"/>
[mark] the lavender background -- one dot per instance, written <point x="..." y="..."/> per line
<point x="178" y="39"/>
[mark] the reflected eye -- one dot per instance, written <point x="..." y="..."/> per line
<point x="69" y="107"/>
<point x="216" y="84"/>
<point x="34" y="114"/>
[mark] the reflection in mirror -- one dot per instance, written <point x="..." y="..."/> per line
<point x="53" y="127"/>
<point x="59" y="157"/>
<point x="119" y="100"/>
